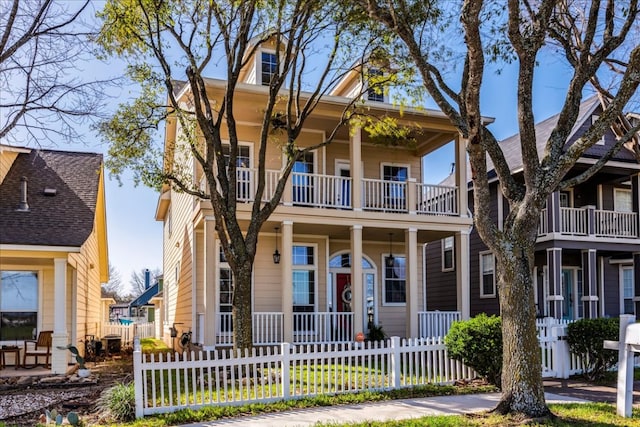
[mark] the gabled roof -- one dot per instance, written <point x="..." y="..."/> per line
<point x="146" y="296"/>
<point x="64" y="219"/>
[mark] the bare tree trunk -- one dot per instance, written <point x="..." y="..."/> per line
<point x="522" y="388"/>
<point x="242" y="292"/>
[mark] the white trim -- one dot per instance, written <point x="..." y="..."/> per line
<point x="40" y="277"/>
<point x="453" y="251"/>
<point x="574" y="285"/>
<point x="617" y="164"/>
<point x="545" y="290"/>
<point x="43" y="248"/>
<point x="307" y="267"/>
<point x="601" y="284"/>
<point x="621" y="261"/>
<point x="621" y="269"/>
<point x="617" y="191"/>
<point x="481" y="276"/>
<point x="535" y="288"/>
<point x="394" y="164"/>
<point x="600" y="202"/>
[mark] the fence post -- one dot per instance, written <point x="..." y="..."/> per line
<point x="560" y="352"/>
<point x="137" y="379"/>
<point x="394" y="363"/>
<point x="285" y="353"/>
<point x="624" y="396"/>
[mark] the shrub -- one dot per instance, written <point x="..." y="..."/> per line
<point x="477" y="342"/>
<point x="585" y="338"/>
<point x="119" y="402"/>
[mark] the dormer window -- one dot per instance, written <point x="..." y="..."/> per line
<point x="375" y="94"/>
<point x="268" y="68"/>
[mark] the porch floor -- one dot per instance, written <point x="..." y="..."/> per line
<point x="10" y="372"/>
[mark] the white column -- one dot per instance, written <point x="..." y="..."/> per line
<point x="461" y="176"/>
<point x="357" y="292"/>
<point x="210" y="285"/>
<point x="411" y="265"/>
<point x="287" y="281"/>
<point x="60" y="337"/>
<point x="355" y="154"/>
<point x="463" y="291"/>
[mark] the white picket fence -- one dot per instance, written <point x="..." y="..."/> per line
<point x="557" y="360"/>
<point x="127" y="332"/>
<point x="171" y="382"/>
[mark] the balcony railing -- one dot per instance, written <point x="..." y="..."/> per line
<point x="313" y="328"/>
<point x="589" y="221"/>
<point x="336" y="192"/>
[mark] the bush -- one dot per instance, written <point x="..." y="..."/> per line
<point x="585" y="338"/>
<point x="477" y="342"/>
<point x="119" y="402"/>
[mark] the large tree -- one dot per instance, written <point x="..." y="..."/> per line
<point x="169" y="41"/>
<point x="598" y="43"/>
<point x="44" y="94"/>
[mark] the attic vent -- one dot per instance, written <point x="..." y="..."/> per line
<point x="50" y="192"/>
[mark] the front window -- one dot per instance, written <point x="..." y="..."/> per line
<point x="487" y="276"/>
<point x="18" y="305"/>
<point x="622" y="200"/>
<point x="447" y="254"/>
<point x="269" y="67"/>
<point x="394" y="281"/>
<point x="626" y="276"/>
<point x="304" y="286"/>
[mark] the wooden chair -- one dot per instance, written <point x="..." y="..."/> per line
<point x="38" y="348"/>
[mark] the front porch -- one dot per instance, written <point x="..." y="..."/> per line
<point x="321" y="327"/>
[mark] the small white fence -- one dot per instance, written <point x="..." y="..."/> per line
<point x="127" y="332"/>
<point x="168" y="383"/>
<point x="436" y="323"/>
<point x="557" y="360"/>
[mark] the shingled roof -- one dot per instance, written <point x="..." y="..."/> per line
<point x="63" y="219"/>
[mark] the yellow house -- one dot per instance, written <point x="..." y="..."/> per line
<point x="53" y="247"/>
<point x="350" y="200"/>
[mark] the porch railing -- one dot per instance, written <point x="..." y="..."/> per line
<point x="313" y="328"/>
<point x="436" y="323"/>
<point x="267" y="328"/>
<point x="385" y="196"/>
<point x="318" y="190"/>
<point x="616" y="224"/>
<point x="436" y="199"/>
<point x="588" y="221"/>
<point x="573" y="221"/>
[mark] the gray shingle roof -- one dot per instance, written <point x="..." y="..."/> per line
<point x="65" y="219"/>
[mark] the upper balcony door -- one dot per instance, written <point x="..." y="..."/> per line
<point x="244" y="188"/>
<point x="395" y="189"/>
<point x="303" y="180"/>
<point x="343" y="186"/>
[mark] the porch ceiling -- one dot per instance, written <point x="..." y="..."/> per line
<point x="26" y="261"/>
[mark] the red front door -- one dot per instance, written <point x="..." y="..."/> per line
<point x="343" y="281"/>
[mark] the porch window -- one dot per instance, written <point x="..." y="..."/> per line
<point x="269" y="67"/>
<point x="487" y="275"/>
<point x="395" y="288"/>
<point x="447" y="254"/>
<point x="18" y="305"/>
<point x="304" y="284"/>
<point x="622" y="200"/>
<point x="626" y="278"/>
<point x="225" y="294"/>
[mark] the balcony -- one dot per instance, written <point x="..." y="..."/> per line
<point x="588" y="221"/>
<point x="335" y="192"/>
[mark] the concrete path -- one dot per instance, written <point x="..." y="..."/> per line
<point x="379" y="411"/>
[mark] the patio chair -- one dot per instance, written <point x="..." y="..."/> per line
<point x="38" y="348"/>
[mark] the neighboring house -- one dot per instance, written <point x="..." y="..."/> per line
<point x="351" y="199"/>
<point x="587" y="256"/>
<point x="53" y="247"/>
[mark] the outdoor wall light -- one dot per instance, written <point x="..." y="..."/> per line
<point x="276" y="254"/>
<point x="390" y="259"/>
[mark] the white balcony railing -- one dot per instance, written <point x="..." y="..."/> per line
<point x="436" y="199"/>
<point x="322" y="191"/>
<point x="267" y="328"/>
<point x="385" y="196"/>
<point x="543" y="225"/>
<point x="616" y="224"/>
<point x="574" y="221"/>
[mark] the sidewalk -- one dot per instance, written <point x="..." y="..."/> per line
<point x="379" y="411"/>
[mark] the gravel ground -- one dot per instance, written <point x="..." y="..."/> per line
<point x="24" y="399"/>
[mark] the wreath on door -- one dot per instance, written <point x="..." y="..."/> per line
<point x="346" y="294"/>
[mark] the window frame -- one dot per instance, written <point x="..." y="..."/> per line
<point x="617" y="191"/>
<point x="259" y="71"/>
<point x="481" y="275"/>
<point x="622" y="268"/>
<point x="384" y="279"/>
<point x="39" y="278"/>
<point x="444" y="248"/>
<point x="379" y="97"/>
<point x="306" y="267"/>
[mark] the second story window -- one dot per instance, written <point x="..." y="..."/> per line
<point x="487" y="275"/>
<point x="447" y="254"/>
<point x="269" y="67"/>
<point x="375" y="93"/>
